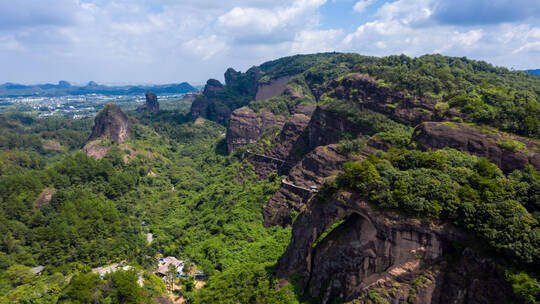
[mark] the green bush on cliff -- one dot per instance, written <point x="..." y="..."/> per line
<point x="455" y="186"/>
<point x="526" y="287"/>
<point x="511" y="145"/>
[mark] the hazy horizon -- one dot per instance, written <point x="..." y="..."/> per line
<point x="157" y="42"/>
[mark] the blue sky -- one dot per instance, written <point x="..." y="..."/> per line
<point x="160" y="41"/>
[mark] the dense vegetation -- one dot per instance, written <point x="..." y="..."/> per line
<point x="204" y="206"/>
<point x="489" y="95"/>
<point x="502" y="210"/>
<point x="201" y="206"/>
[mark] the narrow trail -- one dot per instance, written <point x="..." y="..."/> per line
<point x="284" y="181"/>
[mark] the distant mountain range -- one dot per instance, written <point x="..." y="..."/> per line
<point x="65" y="88"/>
<point x="533" y="72"/>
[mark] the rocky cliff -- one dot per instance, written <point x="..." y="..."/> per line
<point x="296" y="191"/>
<point x="218" y="101"/>
<point x="402" y="106"/>
<point x="151" y="105"/>
<point x="111" y="123"/>
<point x="272" y="89"/>
<point x="342" y="248"/>
<point x="246" y="126"/>
<point x="507" y="152"/>
<point x="205" y="105"/>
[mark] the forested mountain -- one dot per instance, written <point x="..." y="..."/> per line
<point x="326" y="178"/>
<point x="65" y="88"/>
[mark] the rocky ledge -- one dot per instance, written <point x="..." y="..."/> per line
<point x="246" y="126"/>
<point x="296" y="190"/>
<point x="507" y="152"/>
<point x="382" y="255"/>
<point x="402" y="106"/>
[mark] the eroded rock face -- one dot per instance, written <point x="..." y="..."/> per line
<point x="401" y="106"/>
<point x="292" y="196"/>
<point x="151" y="105"/>
<point x="44" y="197"/>
<point x="212" y="87"/>
<point x="246" y="126"/>
<point x="282" y="157"/>
<point x="111" y="123"/>
<point x="255" y="74"/>
<point x="290" y="138"/>
<point x="434" y="135"/>
<point x="200" y="106"/>
<point x="327" y="127"/>
<point x="371" y="250"/>
<point x="275" y="88"/>
<point x="206" y="106"/>
<point x="231" y="77"/>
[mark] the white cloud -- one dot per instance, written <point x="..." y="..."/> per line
<point x="316" y="41"/>
<point x="361" y="5"/>
<point x="206" y="46"/>
<point x="251" y="25"/>
<point x="407" y="27"/>
<point x="125" y="40"/>
<point x="8" y="43"/>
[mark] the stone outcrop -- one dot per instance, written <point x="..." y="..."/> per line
<point x="434" y="135"/>
<point x="201" y="106"/>
<point x="379" y="254"/>
<point x="402" y="106"/>
<point x="246" y="126"/>
<point x="328" y="127"/>
<point x="289" y="145"/>
<point x="295" y="192"/>
<point x="231" y="77"/>
<point x="254" y="74"/>
<point x="212" y="87"/>
<point x="44" y="197"/>
<point x="151" y="105"/>
<point x="283" y="154"/>
<point x="111" y="123"/>
<point x="206" y="106"/>
<point x="272" y="89"/>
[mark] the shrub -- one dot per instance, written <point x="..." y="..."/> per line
<point x="511" y="145"/>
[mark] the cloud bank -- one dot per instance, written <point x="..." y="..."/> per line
<point x="144" y="41"/>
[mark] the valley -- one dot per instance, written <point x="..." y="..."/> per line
<point x="322" y="178"/>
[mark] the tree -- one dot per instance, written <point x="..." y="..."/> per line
<point x="126" y="289"/>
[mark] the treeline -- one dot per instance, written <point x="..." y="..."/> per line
<point x="496" y="96"/>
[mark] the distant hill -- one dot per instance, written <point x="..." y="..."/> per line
<point x="65" y="88"/>
<point x="535" y="72"/>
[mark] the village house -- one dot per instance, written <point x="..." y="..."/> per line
<point x="163" y="266"/>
